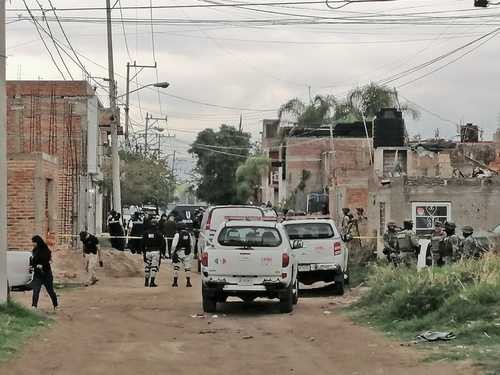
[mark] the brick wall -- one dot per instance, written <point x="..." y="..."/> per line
<point x="51" y="117"/>
<point x="31" y="199"/>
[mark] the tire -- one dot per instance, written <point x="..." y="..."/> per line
<point x="198" y="265"/>
<point x="338" y="287"/>
<point x="296" y="292"/>
<point x="248" y="299"/>
<point x="209" y="303"/>
<point x="222" y="299"/>
<point x="347" y="278"/>
<point x="286" y="301"/>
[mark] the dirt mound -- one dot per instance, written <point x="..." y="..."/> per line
<point x="68" y="265"/>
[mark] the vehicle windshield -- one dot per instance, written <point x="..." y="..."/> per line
<point x="309" y="231"/>
<point x="250" y="236"/>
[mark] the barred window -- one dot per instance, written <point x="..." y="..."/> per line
<point x="426" y="214"/>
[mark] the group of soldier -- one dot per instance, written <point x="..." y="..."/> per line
<point x="401" y="245"/>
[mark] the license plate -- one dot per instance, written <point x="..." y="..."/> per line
<point x="245" y="281"/>
<point x="304" y="267"/>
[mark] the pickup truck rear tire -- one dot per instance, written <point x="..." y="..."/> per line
<point x="209" y="302"/>
<point x="286" y="301"/>
<point x="296" y="292"/>
<point x="338" y="287"/>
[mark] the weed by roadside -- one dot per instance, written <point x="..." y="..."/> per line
<point x="17" y="324"/>
<point x="463" y="298"/>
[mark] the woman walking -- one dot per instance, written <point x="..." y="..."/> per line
<point x="42" y="272"/>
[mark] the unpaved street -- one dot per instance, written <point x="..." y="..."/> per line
<point x="120" y="327"/>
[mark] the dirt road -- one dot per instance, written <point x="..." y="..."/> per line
<point x="120" y="327"/>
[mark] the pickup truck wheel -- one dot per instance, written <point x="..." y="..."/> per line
<point x="296" y="292"/>
<point x="338" y="287"/>
<point x="286" y="301"/>
<point x="209" y="303"/>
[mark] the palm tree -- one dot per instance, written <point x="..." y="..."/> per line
<point x="368" y="100"/>
<point x="318" y="112"/>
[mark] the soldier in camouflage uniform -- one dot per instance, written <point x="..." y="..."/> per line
<point x="391" y="242"/>
<point x="470" y="247"/>
<point x="449" y="248"/>
<point x="436" y="238"/>
<point x="408" y="245"/>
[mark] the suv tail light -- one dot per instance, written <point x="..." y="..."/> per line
<point x="207" y="226"/>
<point x="285" y="260"/>
<point x="204" y="259"/>
<point x="337" y="248"/>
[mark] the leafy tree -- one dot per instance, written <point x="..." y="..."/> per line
<point x="249" y="177"/>
<point x="219" y="154"/>
<point x="144" y="179"/>
<point x="314" y="114"/>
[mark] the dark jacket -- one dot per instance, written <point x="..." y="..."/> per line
<point x="41" y="257"/>
<point x="168" y="228"/>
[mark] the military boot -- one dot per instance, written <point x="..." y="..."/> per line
<point x="152" y="283"/>
<point x="188" y="282"/>
<point x="146" y="282"/>
<point x="174" y="284"/>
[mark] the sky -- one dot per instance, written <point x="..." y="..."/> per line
<point x="223" y="62"/>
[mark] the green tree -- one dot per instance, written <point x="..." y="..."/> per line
<point x="318" y="112"/>
<point x="219" y="154"/>
<point x="144" y="179"/>
<point x="249" y="177"/>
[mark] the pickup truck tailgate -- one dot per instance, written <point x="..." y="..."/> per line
<point x="245" y="262"/>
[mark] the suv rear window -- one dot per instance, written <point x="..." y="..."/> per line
<point x="249" y="237"/>
<point x="309" y="231"/>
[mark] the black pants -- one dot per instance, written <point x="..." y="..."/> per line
<point x="169" y="246"/>
<point x="47" y="281"/>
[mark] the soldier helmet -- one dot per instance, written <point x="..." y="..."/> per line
<point x="450" y="225"/>
<point x="408" y="224"/>
<point x="468" y="229"/>
<point x="438" y="224"/>
<point x="391" y="224"/>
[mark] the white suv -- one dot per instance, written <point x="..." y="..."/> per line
<point x="250" y="259"/>
<point x="324" y="255"/>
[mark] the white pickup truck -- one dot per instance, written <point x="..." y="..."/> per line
<point x="19" y="273"/>
<point x="324" y="255"/>
<point x="249" y="259"/>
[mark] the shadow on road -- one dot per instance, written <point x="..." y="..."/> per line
<point x="239" y="308"/>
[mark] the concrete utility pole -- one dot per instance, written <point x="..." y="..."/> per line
<point x="115" y="158"/>
<point x="3" y="160"/>
<point x="146" y="134"/>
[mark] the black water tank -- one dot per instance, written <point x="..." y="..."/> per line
<point x="389" y="128"/>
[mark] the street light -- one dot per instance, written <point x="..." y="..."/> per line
<point x="161" y="85"/>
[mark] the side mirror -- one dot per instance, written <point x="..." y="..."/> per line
<point x="297" y="244"/>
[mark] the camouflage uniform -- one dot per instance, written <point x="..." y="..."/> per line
<point x="391" y="242"/>
<point x="436" y="239"/>
<point x="450" y="247"/>
<point x="470" y="248"/>
<point x="408" y="245"/>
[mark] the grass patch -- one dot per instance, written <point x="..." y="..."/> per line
<point x="17" y="324"/>
<point x="463" y="298"/>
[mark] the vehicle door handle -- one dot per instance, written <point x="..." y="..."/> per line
<point x="244" y="253"/>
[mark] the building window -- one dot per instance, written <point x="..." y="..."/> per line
<point x="426" y="214"/>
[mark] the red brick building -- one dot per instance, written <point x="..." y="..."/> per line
<point x="54" y="149"/>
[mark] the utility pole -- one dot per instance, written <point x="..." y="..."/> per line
<point x="146" y="134"/>
<point x="127" y="95"/>
<point x="115" y="158"/>
<point x="3" y="160"/>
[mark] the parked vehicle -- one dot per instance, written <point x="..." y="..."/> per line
<point x="184" y="215"/>
<point x="250" y="259"/>
<point x="216" y="215"/>
<point x="324" y="255"/>
<point x="19" y="272"/>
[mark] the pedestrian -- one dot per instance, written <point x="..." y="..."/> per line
<point x="153" y="244"/>
<point x="182" y="255"/>
<point x="198" y="218"/>
<point x="168" y="230"/>
<point x="92" y="257"/>
<point x="449" y="249"/>
<point x="437" y="237"/>
<point x="391" y="242"/>
<point x="408" y="245"/>
<point x="135" y="229"/>
<point x="116" y="231"/>
<point x="42" y="272"/>
<point x="164" y="229"/>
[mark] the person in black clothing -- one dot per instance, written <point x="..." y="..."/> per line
<point x="92" y="255"/>
<point x="136" y="229"/>
<point x="42" y="272"/>
<point x="153" y="244"/>
<point x="115" y="229"/>
<point x="168" y="229"/>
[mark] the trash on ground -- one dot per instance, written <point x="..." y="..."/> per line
<point x="198" y="316"/>
<point x="247" y="337"/>
<point x="327" y="312"/>
<point x="432" y="336"/>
